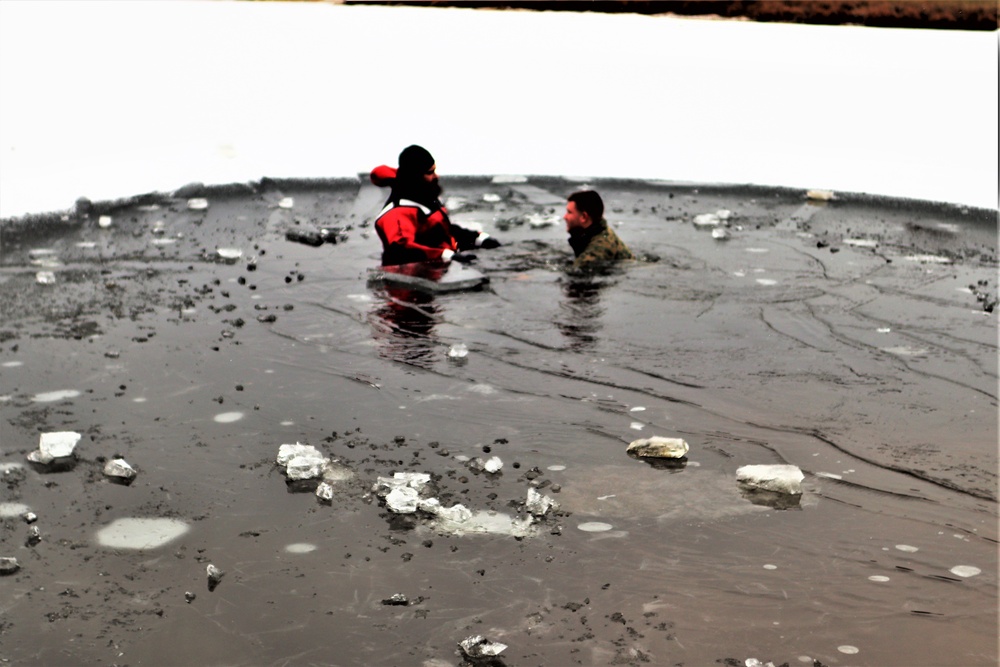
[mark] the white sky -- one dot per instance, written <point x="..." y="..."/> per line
<point x="112" y="99"/>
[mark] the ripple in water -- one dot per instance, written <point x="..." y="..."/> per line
<point x="227" y="417"/>
<point x="138" y="533"/>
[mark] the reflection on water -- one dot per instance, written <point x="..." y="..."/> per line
<point x="581" y="312"/>
<point x="403" y="325"/>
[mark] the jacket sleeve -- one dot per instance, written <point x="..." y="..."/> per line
<point x="398" y="228"/>
<point x="466" y="239"/>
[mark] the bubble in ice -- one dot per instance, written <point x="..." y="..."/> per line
<point x="300" y="548"/>
<point x="766" y="281"/>
<point x="227" y="417"/>
<point x="594" y="526"/>
<point x="11" y="510"/>
<point x="139" y="399"/>
<point x="907" y="548"/>
<point x="965" y="571"/>
<point x="12" y="364"/>
<point x="58" y="395"/>
<point x="140" y="533"/>
<point x="556" y="468"/>
<point x="848" y="649"/>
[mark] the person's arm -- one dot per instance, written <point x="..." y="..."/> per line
<point x="468" y="239"/>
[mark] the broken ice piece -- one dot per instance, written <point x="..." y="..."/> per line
<point x="396" y="599"/>
<point x="539" y="504"/>
<point x="659" y="447"/>
<point x="720" y="233"/>
<point x="45" y="278"/>
<point x="493" y="464"/>
<point x="120" y="469"/>
<point x="56" y="445"/>
<point x="477" y="646"/>
<point x="288" y="452"/>
<point x="324" y="491"/>
<point x="402" y="500"/>
<point x="820" y="195"/>
<point x="707" y="220"/>
<point x="229" y="254"/>
<point x="8" y="565"/>
<point x="458" y="351"/>
<point x="104" y="221"/>
<point x="214" y="576"/>
<point x="305" y="467"/>
<point x="286" y="202"/>
<point x="779" y="478"/>
<point x="197" y="204"/>
<point x="29" y="517"/>
<point x="34" y="536"/>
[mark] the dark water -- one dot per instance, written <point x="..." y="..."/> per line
<point x="874" y="370"/>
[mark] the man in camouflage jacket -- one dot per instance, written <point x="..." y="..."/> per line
<point x="594" y="243"/>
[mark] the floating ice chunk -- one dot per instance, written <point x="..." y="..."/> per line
<point x="214" y="576"/>
<point x="884" y="329"/>
<point x="539" y="504"/>
<point x="305" y="467"/>
<point x="538" y="221"/>
<point x="907" y="548"/>
<point x="637" y="408"/>
<point x="509" y="178"/>
<point x="556" y="468"/>
<point x="879" y="578"/>
<point x="197" y="204"/>
<point x="229" y="254"/>
<point x="848" y="649"/>
<point x="720" y="234"/>
<point x="286" y="202"/>
<point x="336" y="471"/>
<point x="707" y="220"/>
<point x="493" y="464"/>
<point x="767" y="281"/>
<point x="758" y="251"/>
<point x="300" y="548"/>
<point x="594" y="526"/>
<point x="57" y="445"/>
<point x="139" y="533"/>
<point x="820" y="195"/>
<point x="478" y="647"/>
<point x="636" y="426"/>
<point x="829" y="475"/>
<point x="58" y="395"/>
<point x="458" y="351"/>
<point x="754" y="662"/>
<point x="8" y="565"/>
<point x="457" y="513"/>
<point x="45" y="278"/>
<point x="288" y="452"/>
<point x="324" y="491"/>
<point x="119" y="468"/>
<point x="965" y="570"/>
<point x="104" y="221"/>
<point x="491" y="198"/>
<point x="928" y="259"/>
<point x="414" y="480"/>
<point x="402" y="500"/>
<point x="724" y="214"/>
<point x="659" y="447"/>
<point x="861" y="243"/>
<point x="770" y="566"/>
<point x="778" y="478"/>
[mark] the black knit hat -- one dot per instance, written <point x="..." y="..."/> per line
<point x="415" y="161"/>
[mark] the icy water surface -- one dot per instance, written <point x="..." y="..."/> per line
<point x="821" y="335"/>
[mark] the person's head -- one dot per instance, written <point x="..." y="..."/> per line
<point x="417" y="174"/>
<point x="583" y="209"/>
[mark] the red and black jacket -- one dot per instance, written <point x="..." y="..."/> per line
<point x="414" y="232"/>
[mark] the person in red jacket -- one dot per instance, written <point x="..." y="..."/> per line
<point x="414" y="224"/>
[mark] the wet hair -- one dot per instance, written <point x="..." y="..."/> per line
<point x="589" y="202"/>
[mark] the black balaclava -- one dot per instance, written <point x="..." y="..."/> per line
<point x="414" y="162"/>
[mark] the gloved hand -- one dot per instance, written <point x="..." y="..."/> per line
<point x="489" y="242"/>
<point x="463" y="257"/>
